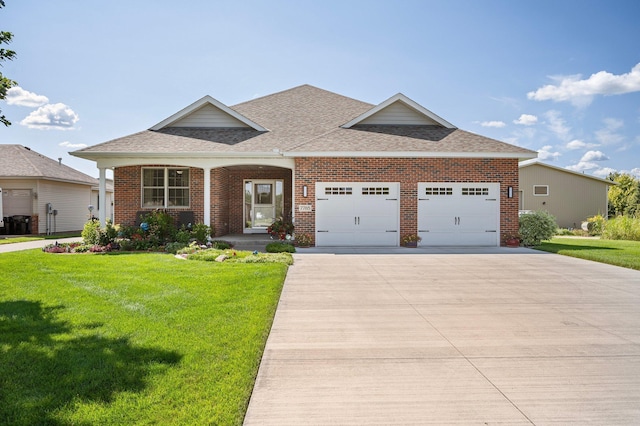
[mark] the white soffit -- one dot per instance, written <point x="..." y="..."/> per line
<point x="405" y="102"/>
<point x="202" y="103"/>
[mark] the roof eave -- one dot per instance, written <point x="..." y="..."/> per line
<point x="412" y="154"/>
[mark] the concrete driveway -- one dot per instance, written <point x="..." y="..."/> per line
<point x="494" y="337"/>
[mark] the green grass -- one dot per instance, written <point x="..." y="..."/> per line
<point x="131" y="338"/>
<point x="614" y="252"/>
<point x="36" y="238"/>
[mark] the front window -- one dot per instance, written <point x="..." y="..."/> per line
<point x="165" y="187"/>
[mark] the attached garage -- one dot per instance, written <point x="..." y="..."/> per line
<point x="459" y="214"/>
<point x="357" y="213"/>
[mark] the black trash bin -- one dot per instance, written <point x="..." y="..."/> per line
<point x="19" y="225"/>
<point x="5" y="229"/>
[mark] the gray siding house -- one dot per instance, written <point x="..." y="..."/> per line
<point x="570" y="196"/>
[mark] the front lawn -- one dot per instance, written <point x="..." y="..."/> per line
<point x="131" y="338"/>
<point x="614" y="252"/>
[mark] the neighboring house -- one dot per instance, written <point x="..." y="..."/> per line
<point x="348" y="172"/>
<point x="41" y="195"/>
<point x="570" y="196"/>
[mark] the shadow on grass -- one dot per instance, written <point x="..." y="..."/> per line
<point x="47" y="364"/>
<point x="556" y="247"/>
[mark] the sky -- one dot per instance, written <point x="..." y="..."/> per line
<point x="560" y="77"/>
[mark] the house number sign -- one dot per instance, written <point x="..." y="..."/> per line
<point x="304" y="207"/>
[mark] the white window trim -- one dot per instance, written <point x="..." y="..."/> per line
<point x="540" y="195"/>
<point x="166" y="188"/>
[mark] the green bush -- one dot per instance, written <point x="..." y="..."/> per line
<point x="596" y="224"/>
<point x="221" y="245"/>
<point x="278" y="247"/>
<point x="91" y="232"/>
<point x="160" y="227"/>
<point x="174" y="247"/>
<point x="201" y="232"/>
<point x="536" y="227"/>
<point x="622" y="228"/>
<point x="183" y="236"/>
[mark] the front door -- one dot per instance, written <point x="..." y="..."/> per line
<point x="261" y="200"/>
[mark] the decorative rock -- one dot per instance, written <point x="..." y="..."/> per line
<point x="221" y="258"/>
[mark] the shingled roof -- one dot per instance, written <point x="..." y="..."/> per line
<point x="305" y="121"/>
<point x="17" y="161"/>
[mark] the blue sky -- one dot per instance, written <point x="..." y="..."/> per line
<point x="560" y="77"/>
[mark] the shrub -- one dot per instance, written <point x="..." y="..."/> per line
<point x="536" y="227"/>
<point x="221" y="245"/>
<point x="174" y="247"/>
<point x="595" y="225"/>
<point x="160" y="227"/>
<point x="201" y="232"/>
<point x="622" y="228"/>
<point x="91" y="232"/>
<point x="278" y="247"/>
<point x="183" y="236"/>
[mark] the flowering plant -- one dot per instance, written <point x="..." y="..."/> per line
<point x="410" y="238"/>
<point x="281" y="228"/>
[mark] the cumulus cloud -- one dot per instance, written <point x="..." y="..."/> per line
<point x="609" y="135"/>
<point x="580" y="92"/>
<point x="582" y="166"/>
<point x="590" y="156"/>
<point x="51" y="116"/>
<point x="18" y="96"/>
<point x="68" y="144"/>
<point x="497" y="124"/>
<point x="546" y="153"/>
<point x="526" y="120"/>
<point x="578" y="144"/>
<point x="604" y="172"/>
<point x="557" y="125"/>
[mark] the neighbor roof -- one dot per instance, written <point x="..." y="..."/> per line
<point x="305" y="121"/>
<point x="536" y="162"/>
<point x="17" y="161"/>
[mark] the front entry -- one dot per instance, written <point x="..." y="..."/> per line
<point x="263" y="203"/>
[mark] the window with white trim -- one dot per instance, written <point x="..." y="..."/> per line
<point x="165" y="187"/>
<point x="540" y="190"/>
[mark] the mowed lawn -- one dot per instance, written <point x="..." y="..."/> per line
<point x="614" y="252"/>
<point x="131" y="338"/>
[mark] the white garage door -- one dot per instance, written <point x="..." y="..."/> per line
<point x="458" y="214"/>
<point x="357" y="213"/>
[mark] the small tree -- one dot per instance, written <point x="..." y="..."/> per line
<point x="5" y="55"/>
<point x="624" y="198"/>
<point x="536" y="227"/>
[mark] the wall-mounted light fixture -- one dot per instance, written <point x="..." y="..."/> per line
<point x="510" y="192"/>
<point x="304" y="191"/>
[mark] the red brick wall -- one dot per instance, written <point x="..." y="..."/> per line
<point x="407" y="171"/>
<point x="127" y="194"/>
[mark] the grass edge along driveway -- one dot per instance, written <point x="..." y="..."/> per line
<point x="131" y="339"/>
<point x="614" y="252"/>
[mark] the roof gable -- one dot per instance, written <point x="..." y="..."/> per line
<point x="536" y="162"/>
<point x="208" y="112"/>
<point x="399" y="110"/>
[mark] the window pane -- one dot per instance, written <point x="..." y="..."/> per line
<point x="153" y="177"/>
<point x="178" y="197"/>
<point x="153" y="197"/>
<point x="178" y="177"/>
<point x="264" y="193"/>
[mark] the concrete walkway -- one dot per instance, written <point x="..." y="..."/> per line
<point x="6" y="248"/>
<point x="478" y="338"/>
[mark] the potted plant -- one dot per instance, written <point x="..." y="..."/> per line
<point x="511" y="240"/>
<point x="410" y="240"/>
<point x="281" y="228"/>
<point x="303" y="240"/>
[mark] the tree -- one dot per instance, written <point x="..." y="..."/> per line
<point x="5" y="55"/>
<point x="624" y="198"/>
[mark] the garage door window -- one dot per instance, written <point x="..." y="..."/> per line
<point x="475" y="191"/>
<point x="338" y="191"/>
<point x="438" y="191"/>
<point x="375" y="191"/>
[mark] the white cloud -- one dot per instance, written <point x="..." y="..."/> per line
<point x="51" y="116"/>
<point x="608" y="135"/>
<point x="497" y="124"/>
<point x="604" y="172"/>
<point x="19" y="96"/>
<point x="582" y="166"/>
<point x="526" y="120"/>
<point x="580" y="92"/>
<point x="68" y="144"/>
<point x="590" y="156"/>
<point x="557" y="125"/>
<point x="545" y="153"/>
<point x="578" y="144"/>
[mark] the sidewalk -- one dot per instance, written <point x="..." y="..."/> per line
<point x="6" y="248"/>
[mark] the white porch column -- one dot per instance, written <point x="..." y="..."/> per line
<point x="207" y="196"/>
<point x="102" y="197"/>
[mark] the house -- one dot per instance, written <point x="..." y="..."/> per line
<point x="43" y="196"/>
<point x="348" y="173"/>
<point x="570" y="196"/>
